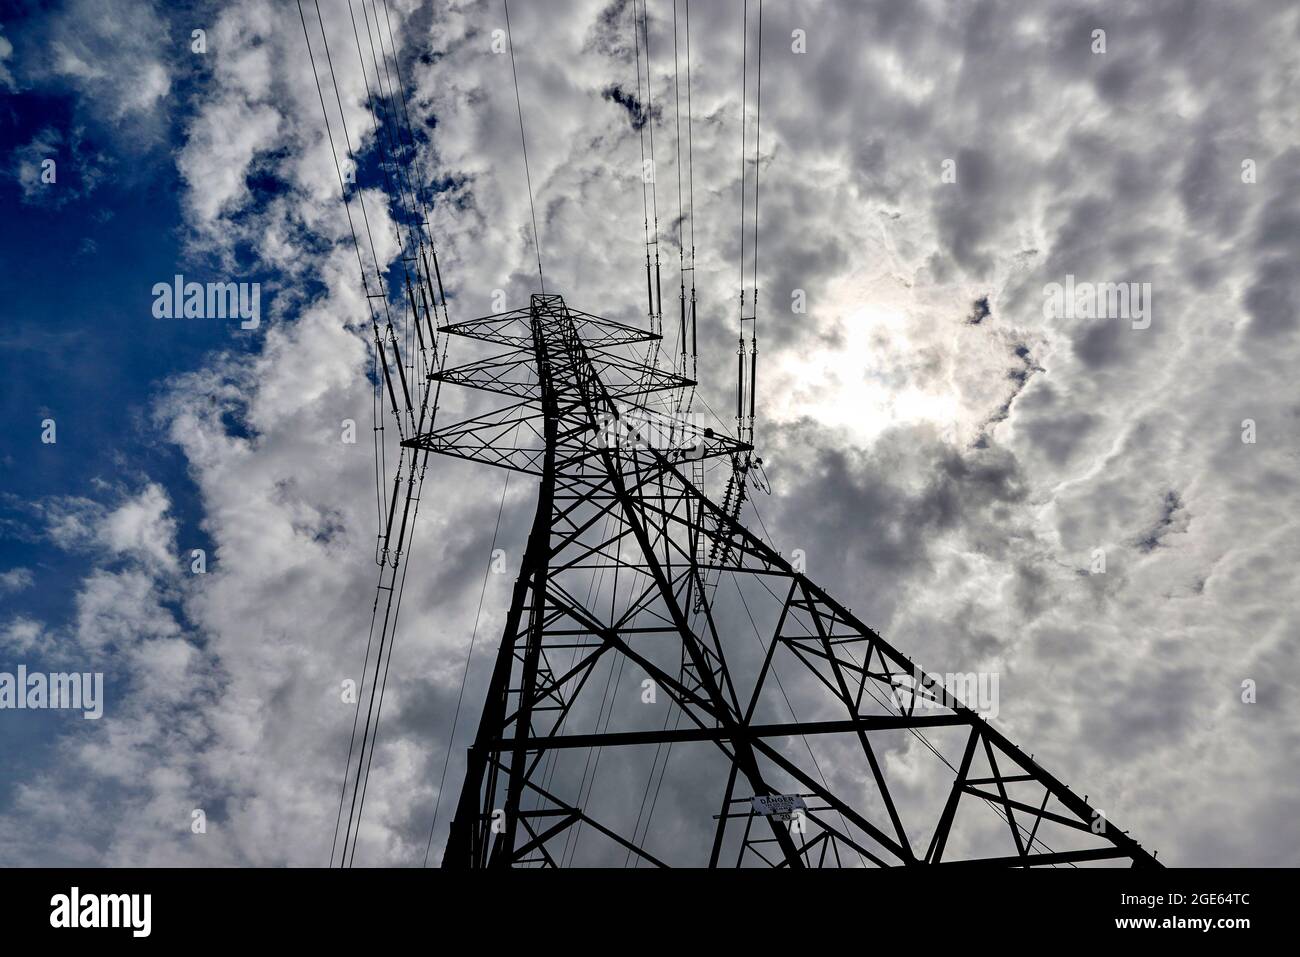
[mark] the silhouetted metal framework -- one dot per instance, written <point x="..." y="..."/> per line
<point x="622" y="544"/>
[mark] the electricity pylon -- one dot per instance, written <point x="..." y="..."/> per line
<point x="660" y="659"/>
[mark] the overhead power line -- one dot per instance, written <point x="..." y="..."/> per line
<point x="619" y="576"/>
<point x="523" y="141"/>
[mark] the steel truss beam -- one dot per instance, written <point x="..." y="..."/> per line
<point x="608" y="583"/>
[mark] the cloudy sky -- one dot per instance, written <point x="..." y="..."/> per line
<point x="952" y="457"/>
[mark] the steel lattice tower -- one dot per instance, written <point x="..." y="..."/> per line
<point x="624" y="579"/>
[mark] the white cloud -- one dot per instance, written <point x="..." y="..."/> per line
<point x="141" y="527"/>
<point x="138" y="527"/>
<point x="6" y="51"/>
<point x="21" y="636"/>
<point x="16" y="579"/>
<point x="55" y="168"/>
<point x="955" y="486"/>
<point x="222" y="143"/>
<point x="110" y="52"/>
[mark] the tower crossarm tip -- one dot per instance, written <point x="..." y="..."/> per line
<point x="514" y="327"/>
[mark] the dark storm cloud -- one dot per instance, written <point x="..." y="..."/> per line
<point x="966" y="213"/>
<point x="1101" y="343"/>
<point x="871" y="519"/>
<point x="1143" y="711"/>
<point x="1053" y="427"/>
<point x="1273" y="298"/>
